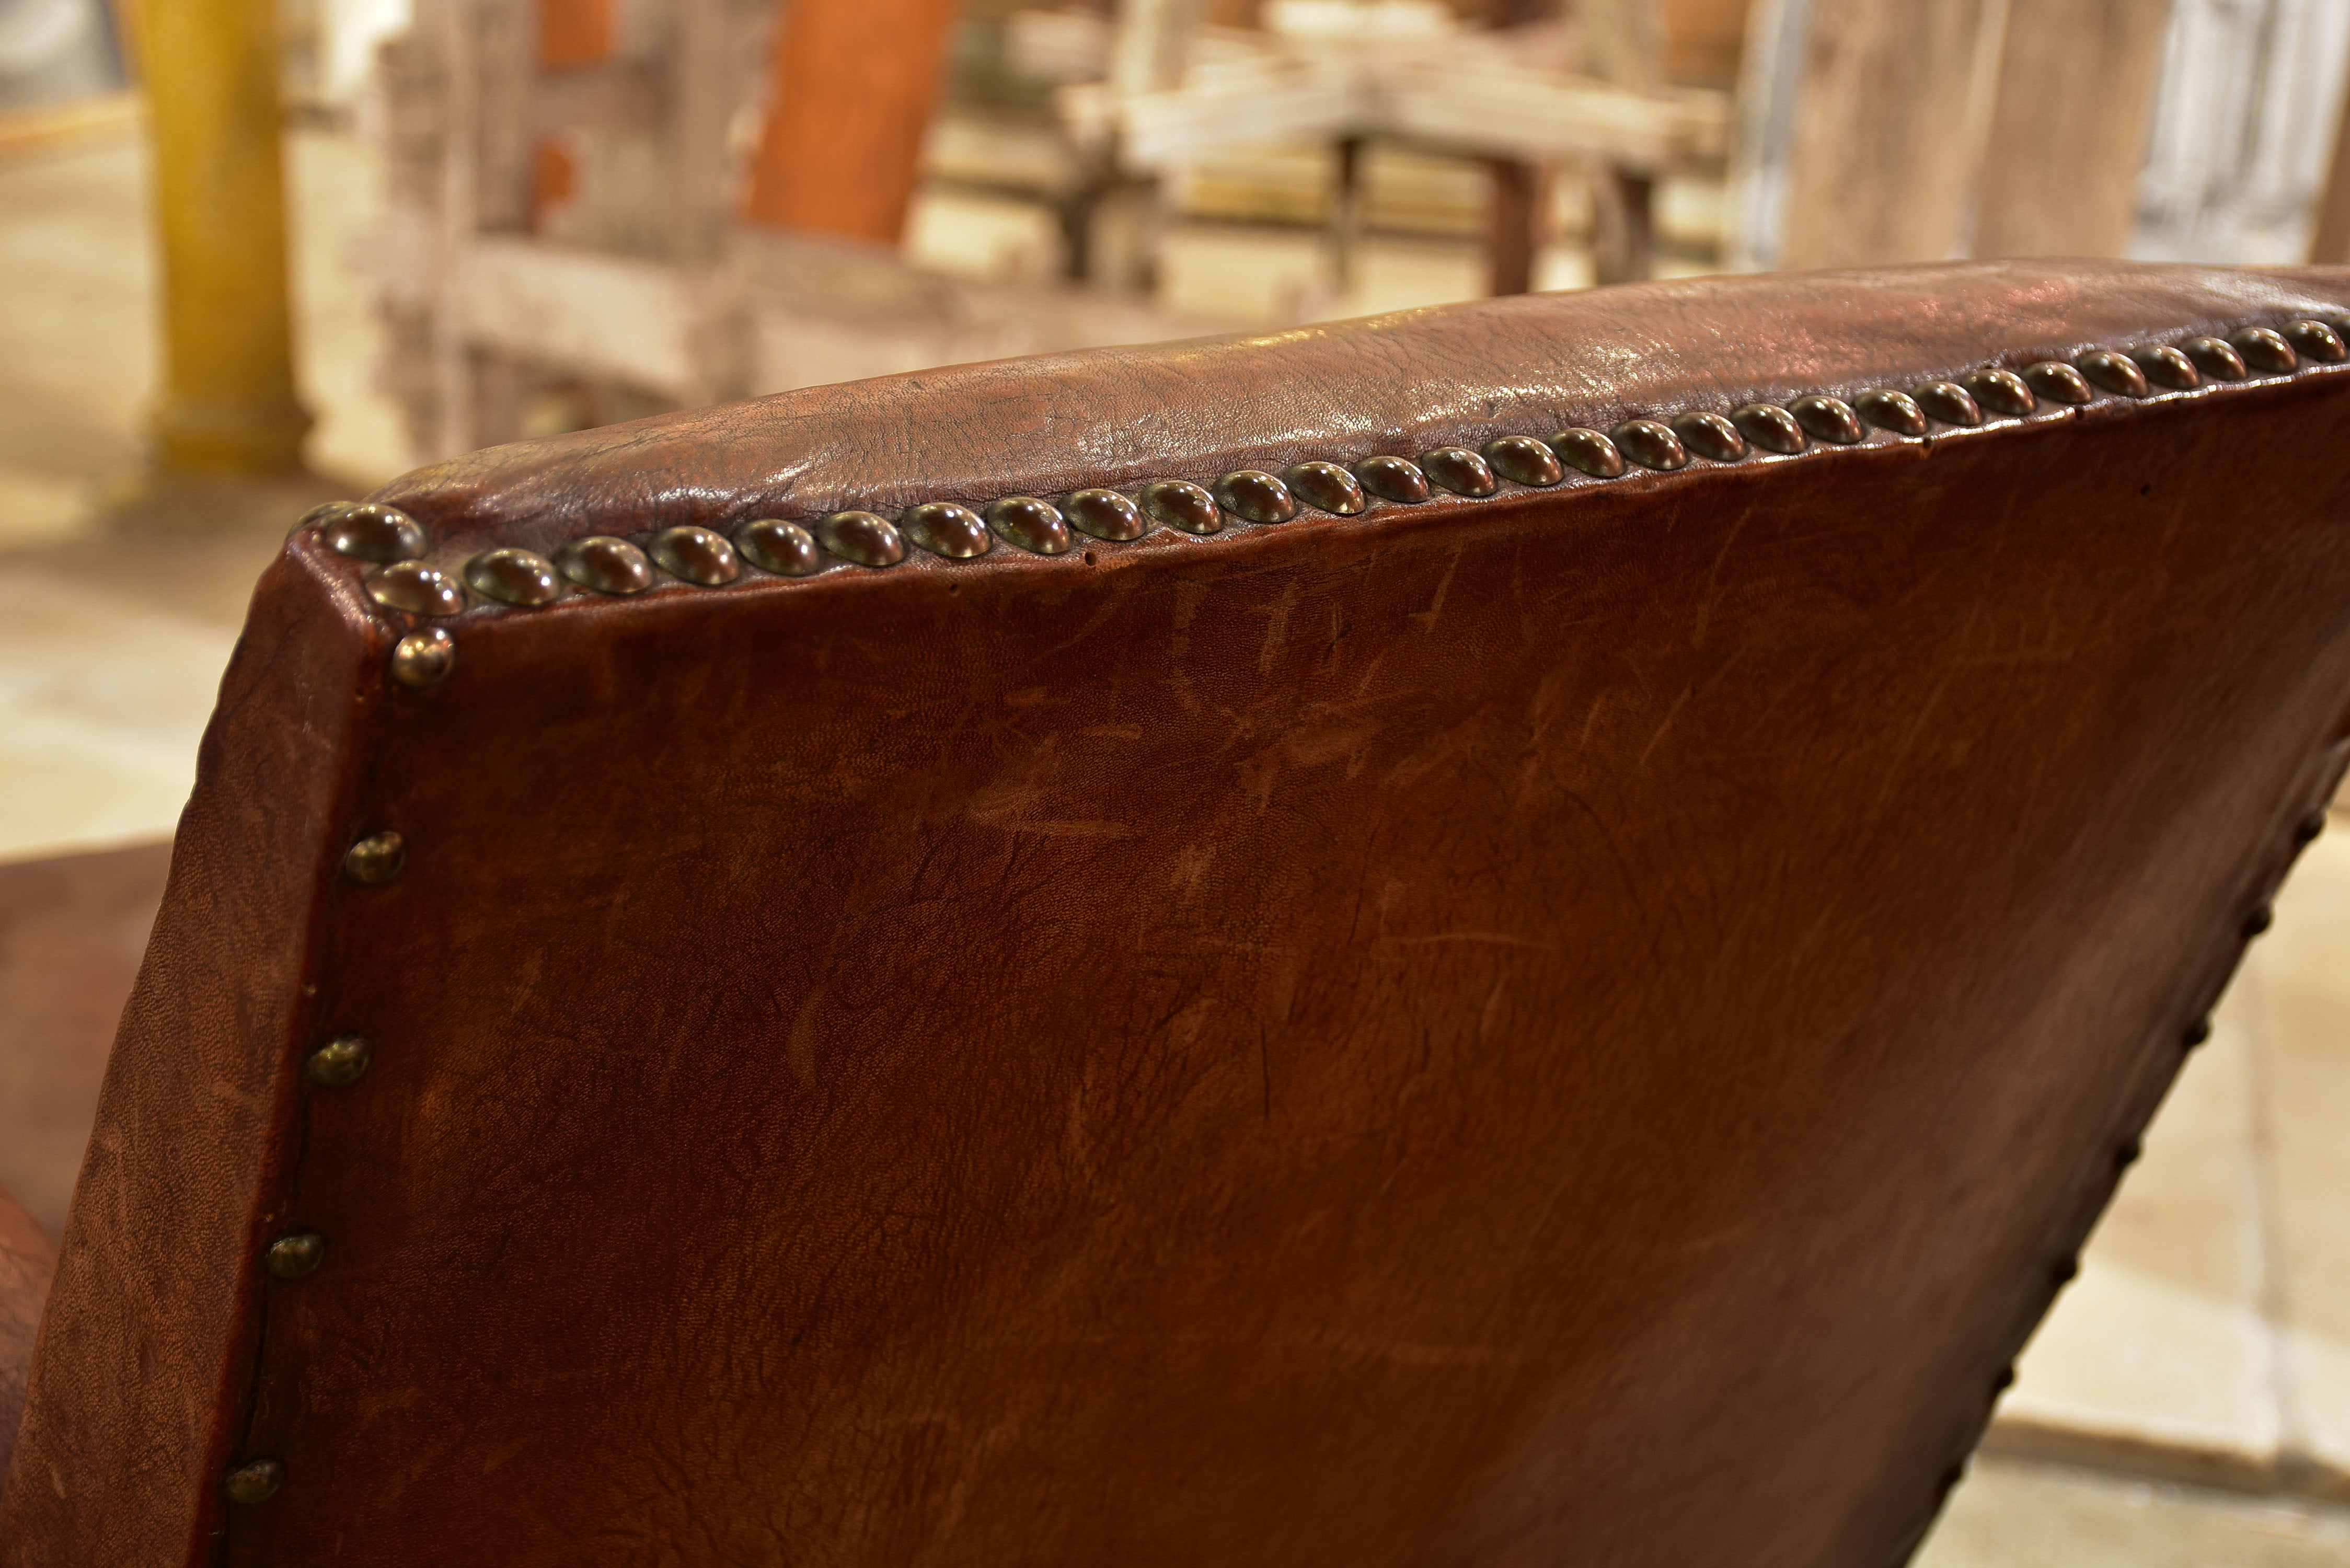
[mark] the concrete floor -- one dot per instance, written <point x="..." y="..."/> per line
<point x="2188" y="1403"/>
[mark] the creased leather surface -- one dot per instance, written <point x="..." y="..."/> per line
<point x="143" y="1369"/>
<point x="1526" y="364"/>
<point x="1582" y="1027"/>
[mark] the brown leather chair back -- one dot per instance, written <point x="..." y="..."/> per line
<point x="1582" y="1023"/>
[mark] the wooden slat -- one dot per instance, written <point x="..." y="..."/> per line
<point x="852" y="88"/>
<point x="2075" y="83"/>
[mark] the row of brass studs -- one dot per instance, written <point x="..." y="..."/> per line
<point x="341" y="1062"/>
<point x="606" y="565"/>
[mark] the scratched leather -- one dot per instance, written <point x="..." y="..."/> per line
<point x="1581" y="1027"/>
<point x="27" y="1258"/>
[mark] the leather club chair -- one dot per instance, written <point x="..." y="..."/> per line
<point x="1526" y="933"/>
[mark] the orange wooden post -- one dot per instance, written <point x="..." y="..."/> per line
<point x="850" y="98"/>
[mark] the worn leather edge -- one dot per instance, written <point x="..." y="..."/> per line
<point x="142" y="1372"/>
<point x="29" y="1260"/>
<point x="1399" y="383"/>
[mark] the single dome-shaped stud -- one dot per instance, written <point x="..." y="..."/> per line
<point x="1179" y="504"/>
<point x="785" y="548"/>
<point x="375" y="859"/>
<point x="514" y="577"/>
<point x="1949" y="402"/>
<point x="944" y="528"/>
<point x="1829" y="419"/>
<point x="866" y="538"/>
<point x="1710" y="437"/>
<point x="255" y="1480"/>
<point x="2117" y="373"/>
<point x="2056" y="381"/>
<point x="1891" y="410"/>
<point x="1035" y="525"/>
<point x="295" y="1255"/>
<point x="1326" y="487"/>
<point x="1651" y="443"/>
<point x="415" y="588"/>
<point x="2001" y="392"/>
<point x="424" y="658"/>
<point x="1393" y="479"/>
<point x="1523" y="459"/>
<point x="1459" y="470"/>
<point x="1106" y="515"/>
<point x="324" y="512"/>
<point x="605" y="565"/>
<point x="1256" y="496"/>
<point x="2316" y="342"/>
<point x="2168" y="367"/>
<point x="2215" y="357"/>
<point x="339" y="1063"/>
<point x="369" y="531"/>
<point x="1770" y="427"/>
<point x="1588" y="452"/>
<point x="2265" y="353"/>
<point x="699" y="555"/>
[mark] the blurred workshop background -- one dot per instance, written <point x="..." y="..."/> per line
<point x="254" y="257"/>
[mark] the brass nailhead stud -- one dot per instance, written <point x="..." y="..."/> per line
<point x="1949" y="402"/>
<point x="1106" y="515"/>
<point x="2127" y="1155"/>
<point x="1830" y="418"/>
<point x="786" y="549"/>
<point x="2068" y="1271"/>
<point x="606" y="565"/>
<point x="1034" y="525"/>
<point x="1712" y="437"/>
<point x="339" y="1063"/>
<point x="2117" y="373"/>
<point x="415" y="588"/>
<point x="424" y="657"/>
<point x="1459" y="470"/>
<point x="2004" y="1381"/>
<point x="867" y="538"/>
<point x="2056" y="381"/>
<point x="697" y="555"/>
<point x="1770" y="427"/>
<point x="255" y="1480"/>
<point x="2264" y="351"/>
<point x="2306" y="831"/>
<point x="1525" y="461"/>
<point x="1326" y="487"/>
<point x="1588" y="452"/>
<point x="2215" y="357"/>
<point x="375" y="859"/>
<point x="1393" y="479"/>
<point x="295" y="1256"/>
<point x="2001" y="393"/>
<point x="2198" y="1032"/>
<point x="1256" y="496"/>
<point x="1180" y="505"/>
<point x="943" y="529"/>
<point x="1650" y="444"/>
<point x="2315" y="340"/>
<point x="2259" y="920"/>
<point x="2167" y="367"/>
<point x="514" y="577"/>
<point x="368" y="531"/>
<point x="1891" y="410"/>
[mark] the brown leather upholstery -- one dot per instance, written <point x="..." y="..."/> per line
<point x="1585" y="1026"/>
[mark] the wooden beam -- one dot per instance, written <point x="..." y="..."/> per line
<point x="850" y="98"/>
<point x="1886" y="146"/>
<point x="2076" y="80"/>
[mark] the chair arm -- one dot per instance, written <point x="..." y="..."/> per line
<point x="29" y="1260"/>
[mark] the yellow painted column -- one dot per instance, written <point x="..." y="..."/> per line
<point x="211" y="78"/>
